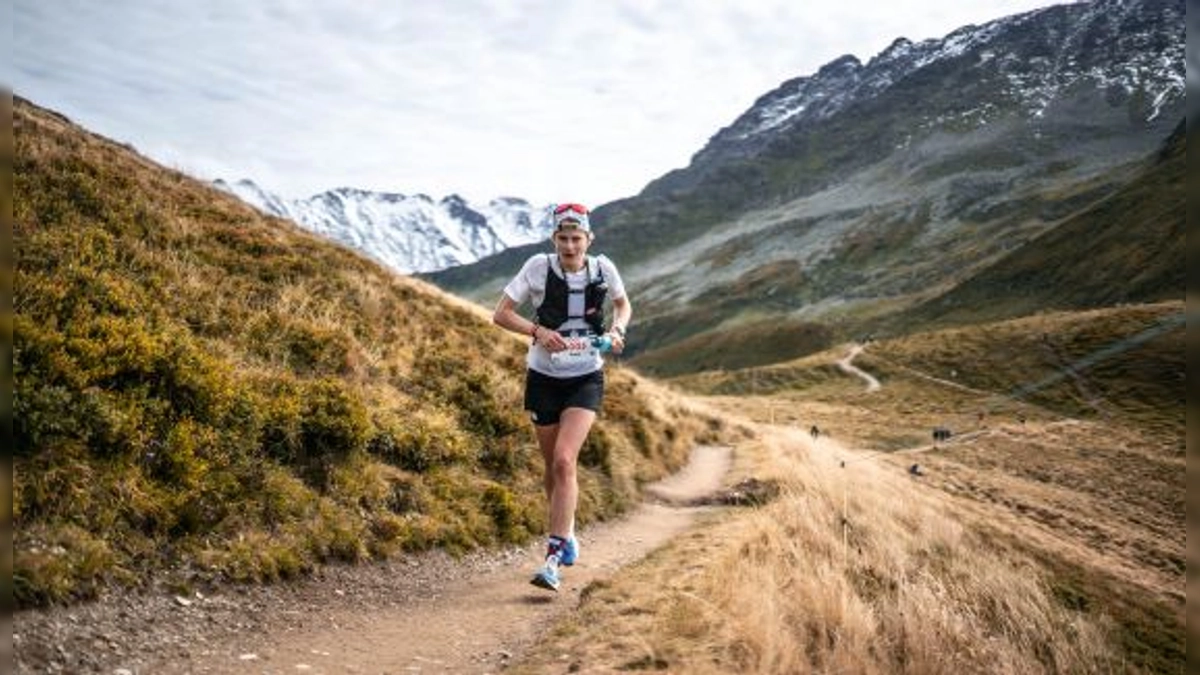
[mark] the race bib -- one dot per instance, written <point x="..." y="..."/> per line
<point x="579" y="350"/>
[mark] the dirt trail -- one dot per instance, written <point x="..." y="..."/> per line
<point x="468" y="623"/>
<point x="847" y="365"/>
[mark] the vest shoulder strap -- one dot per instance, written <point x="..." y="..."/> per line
<point x="595" y="269"/>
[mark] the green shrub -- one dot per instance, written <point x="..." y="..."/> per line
<point x="307" y="349"/>
<point x="597" y="451"/>
<point x="333" y="425"/>
<point x="281" y="412"/>
<point x="502" y="457"/>
<point x="512" y="520"/>
<point x="283" y="498"/>
<point x="180" y="461"/>
<point x="421" y="441"/>
<point x="59" y="564"/>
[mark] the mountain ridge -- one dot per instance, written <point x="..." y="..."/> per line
<point x="409" y="233"/>
<point x="878" y="187"/>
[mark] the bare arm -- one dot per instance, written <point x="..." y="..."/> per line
<point x="506" y="317"/>
<point x="622" y="314"/>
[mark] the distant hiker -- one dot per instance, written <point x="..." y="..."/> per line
<point x="564" y="380"/>
<point x="814" y="432"/>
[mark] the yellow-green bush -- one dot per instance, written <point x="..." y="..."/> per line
<point x="421" y="440"/>
<point x="61" y="563"/>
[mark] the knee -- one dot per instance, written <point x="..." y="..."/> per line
<point x="564" y="468"/>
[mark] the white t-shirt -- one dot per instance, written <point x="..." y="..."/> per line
<point x="530" y="285"/>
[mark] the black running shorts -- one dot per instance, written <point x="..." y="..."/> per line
<point x="546" y="397"/>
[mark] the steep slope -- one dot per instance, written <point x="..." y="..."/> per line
<point x="1127" y="248"/>
<point x="204" y="393"/>
<point x="861" y="191"/>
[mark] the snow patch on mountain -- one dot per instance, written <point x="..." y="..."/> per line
<point x="410" y="233"/>
<point x="1151" y="67"/>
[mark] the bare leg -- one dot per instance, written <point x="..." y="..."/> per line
<point x="560" y="445"/>
<point x="546" y="437"/>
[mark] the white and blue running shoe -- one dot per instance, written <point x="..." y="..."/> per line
<point x="570" y="552"/>
<point x="547" y="576"/>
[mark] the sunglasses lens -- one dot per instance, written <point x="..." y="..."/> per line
<point x="563" y="208"/>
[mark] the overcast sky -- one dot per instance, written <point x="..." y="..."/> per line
<point x="554" y="100"/>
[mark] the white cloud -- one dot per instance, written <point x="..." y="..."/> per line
<point x="540" y="99"/>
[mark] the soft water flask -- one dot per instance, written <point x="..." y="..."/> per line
<point x="603" y="343"/>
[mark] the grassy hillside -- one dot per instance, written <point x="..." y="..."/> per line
<point x="7" y="271"/>
<point x="1125" y="246"/>
<point x="860" y="568"/>
<point x="1124" y="364"/>
<point x="204" y="393"/>
<point x="730" y="345"/>
<point x="1047" y="535"/>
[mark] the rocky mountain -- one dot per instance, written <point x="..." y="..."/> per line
<point x="843" y="200"/>
<point x="408" y="233"/>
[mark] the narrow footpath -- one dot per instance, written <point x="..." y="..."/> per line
<point x="847" y="365"/>
<point x="472" y="620"/>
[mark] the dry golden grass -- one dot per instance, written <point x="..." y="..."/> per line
<point x="906" y="587"/>
<point x="1033" y="541"/>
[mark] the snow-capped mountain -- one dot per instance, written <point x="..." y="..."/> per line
<point x="1051" y="66"/>
<point x="852" y="197"/>
<point x="408" y="233"/>
<point x="1149" y="67"/>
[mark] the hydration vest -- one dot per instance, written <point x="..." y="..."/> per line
<point x="554" y="312"/>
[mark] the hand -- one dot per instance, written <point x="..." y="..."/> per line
<point x="551" y="340"/>
<point x="618" y="342"/>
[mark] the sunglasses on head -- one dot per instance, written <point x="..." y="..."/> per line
<point x="563" y="208"/>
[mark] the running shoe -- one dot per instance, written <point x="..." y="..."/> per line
<point x="547" y="576"/>
<point x="570" y="552"/>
